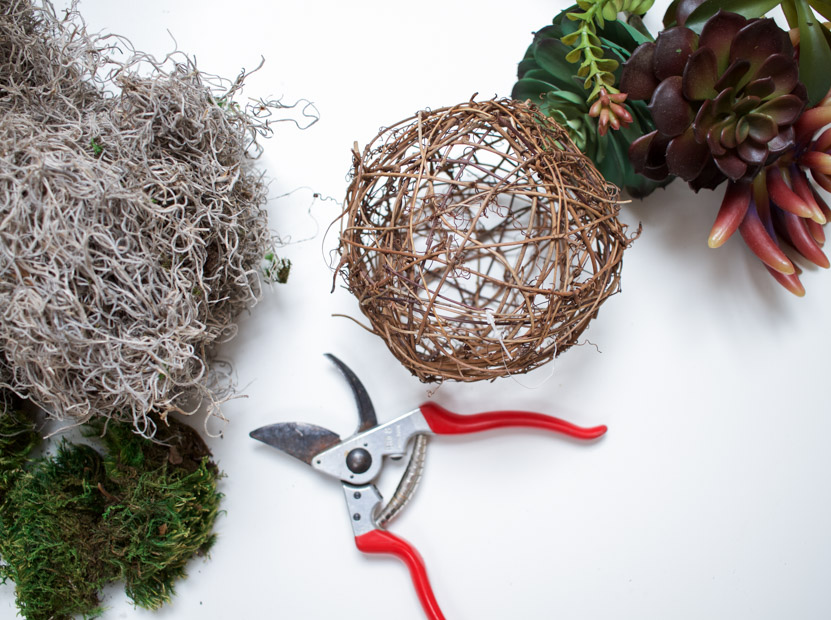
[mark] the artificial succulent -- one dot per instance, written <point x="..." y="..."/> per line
<point x="548" y="79"/>
<point x="782" y="206"/>
<point x="807" y="20"/>
<point x="723" y="102"/>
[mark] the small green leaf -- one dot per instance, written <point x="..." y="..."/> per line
<point x="746" y="8"/>
<point x="643" y="7"/>
<point x="609" y="11"/>
<point x="814" y="54"/>
<point x="574" y="55"/>
<point x="592" y="39"/>
<point x="607" y="65"/>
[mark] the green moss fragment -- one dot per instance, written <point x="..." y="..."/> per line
<point x="17" y="439"/>
<point x="71" y="523"/>
<point x="276" y="269"/>
<point x="45" y="527"/>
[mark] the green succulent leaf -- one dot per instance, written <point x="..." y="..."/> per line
<point x="527" y="64"/>
<point x="569" y="97"/>
<point x="814" y="54"/>
<point x="789" y="9"/>
<point x="615" y="158"/>
<point x="747" y="8"/>
<point x="533" y="89"/>
<point x="669" y="15"/>
<point x="823" y="7"/>
<point x="550" y="55"/>
<point x="622" y="36"/>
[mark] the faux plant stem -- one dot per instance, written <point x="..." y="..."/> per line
<point x="597" y="70"/>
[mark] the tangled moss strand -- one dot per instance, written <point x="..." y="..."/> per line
<point x="133" y="226"/>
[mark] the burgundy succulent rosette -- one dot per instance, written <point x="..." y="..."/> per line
<point x="724" y="102"/>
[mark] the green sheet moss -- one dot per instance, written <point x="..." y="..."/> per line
<point x="133" y="511"/>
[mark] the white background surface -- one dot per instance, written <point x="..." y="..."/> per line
<point x="708" y="498"/>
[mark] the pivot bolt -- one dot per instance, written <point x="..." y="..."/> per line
<point x="358" y="460"/>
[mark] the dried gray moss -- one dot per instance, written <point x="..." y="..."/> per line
<point x="132" y="229"/>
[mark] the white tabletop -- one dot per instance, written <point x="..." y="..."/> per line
<point x="708" y="498"/>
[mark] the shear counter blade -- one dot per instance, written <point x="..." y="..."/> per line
<point x="302" y="441"/>
<point x="366" y="410"/>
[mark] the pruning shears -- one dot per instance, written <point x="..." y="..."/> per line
<point x="357" y="461"/>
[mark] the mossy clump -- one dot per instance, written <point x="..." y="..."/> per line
<point x="134" y="511"/>
<point x="17" y="439"/>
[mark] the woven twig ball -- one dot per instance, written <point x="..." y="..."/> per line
<point x="478" y="240"/>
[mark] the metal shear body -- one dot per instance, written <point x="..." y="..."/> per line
<point x="357" y="461"/>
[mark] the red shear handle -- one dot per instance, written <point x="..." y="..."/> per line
<point x="382" y="541"/>
<point x="444" y="422"/>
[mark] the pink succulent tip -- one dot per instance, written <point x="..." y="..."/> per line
<point x="731" y="213"/>
<point x="813" y="120"/>
<point x="823" y="142"/>
<point x="790" y="281"/>
<point x="815" y="160"/>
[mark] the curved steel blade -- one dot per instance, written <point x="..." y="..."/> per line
<point x="365" y="409"/>
<point x="302" y="441"/>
